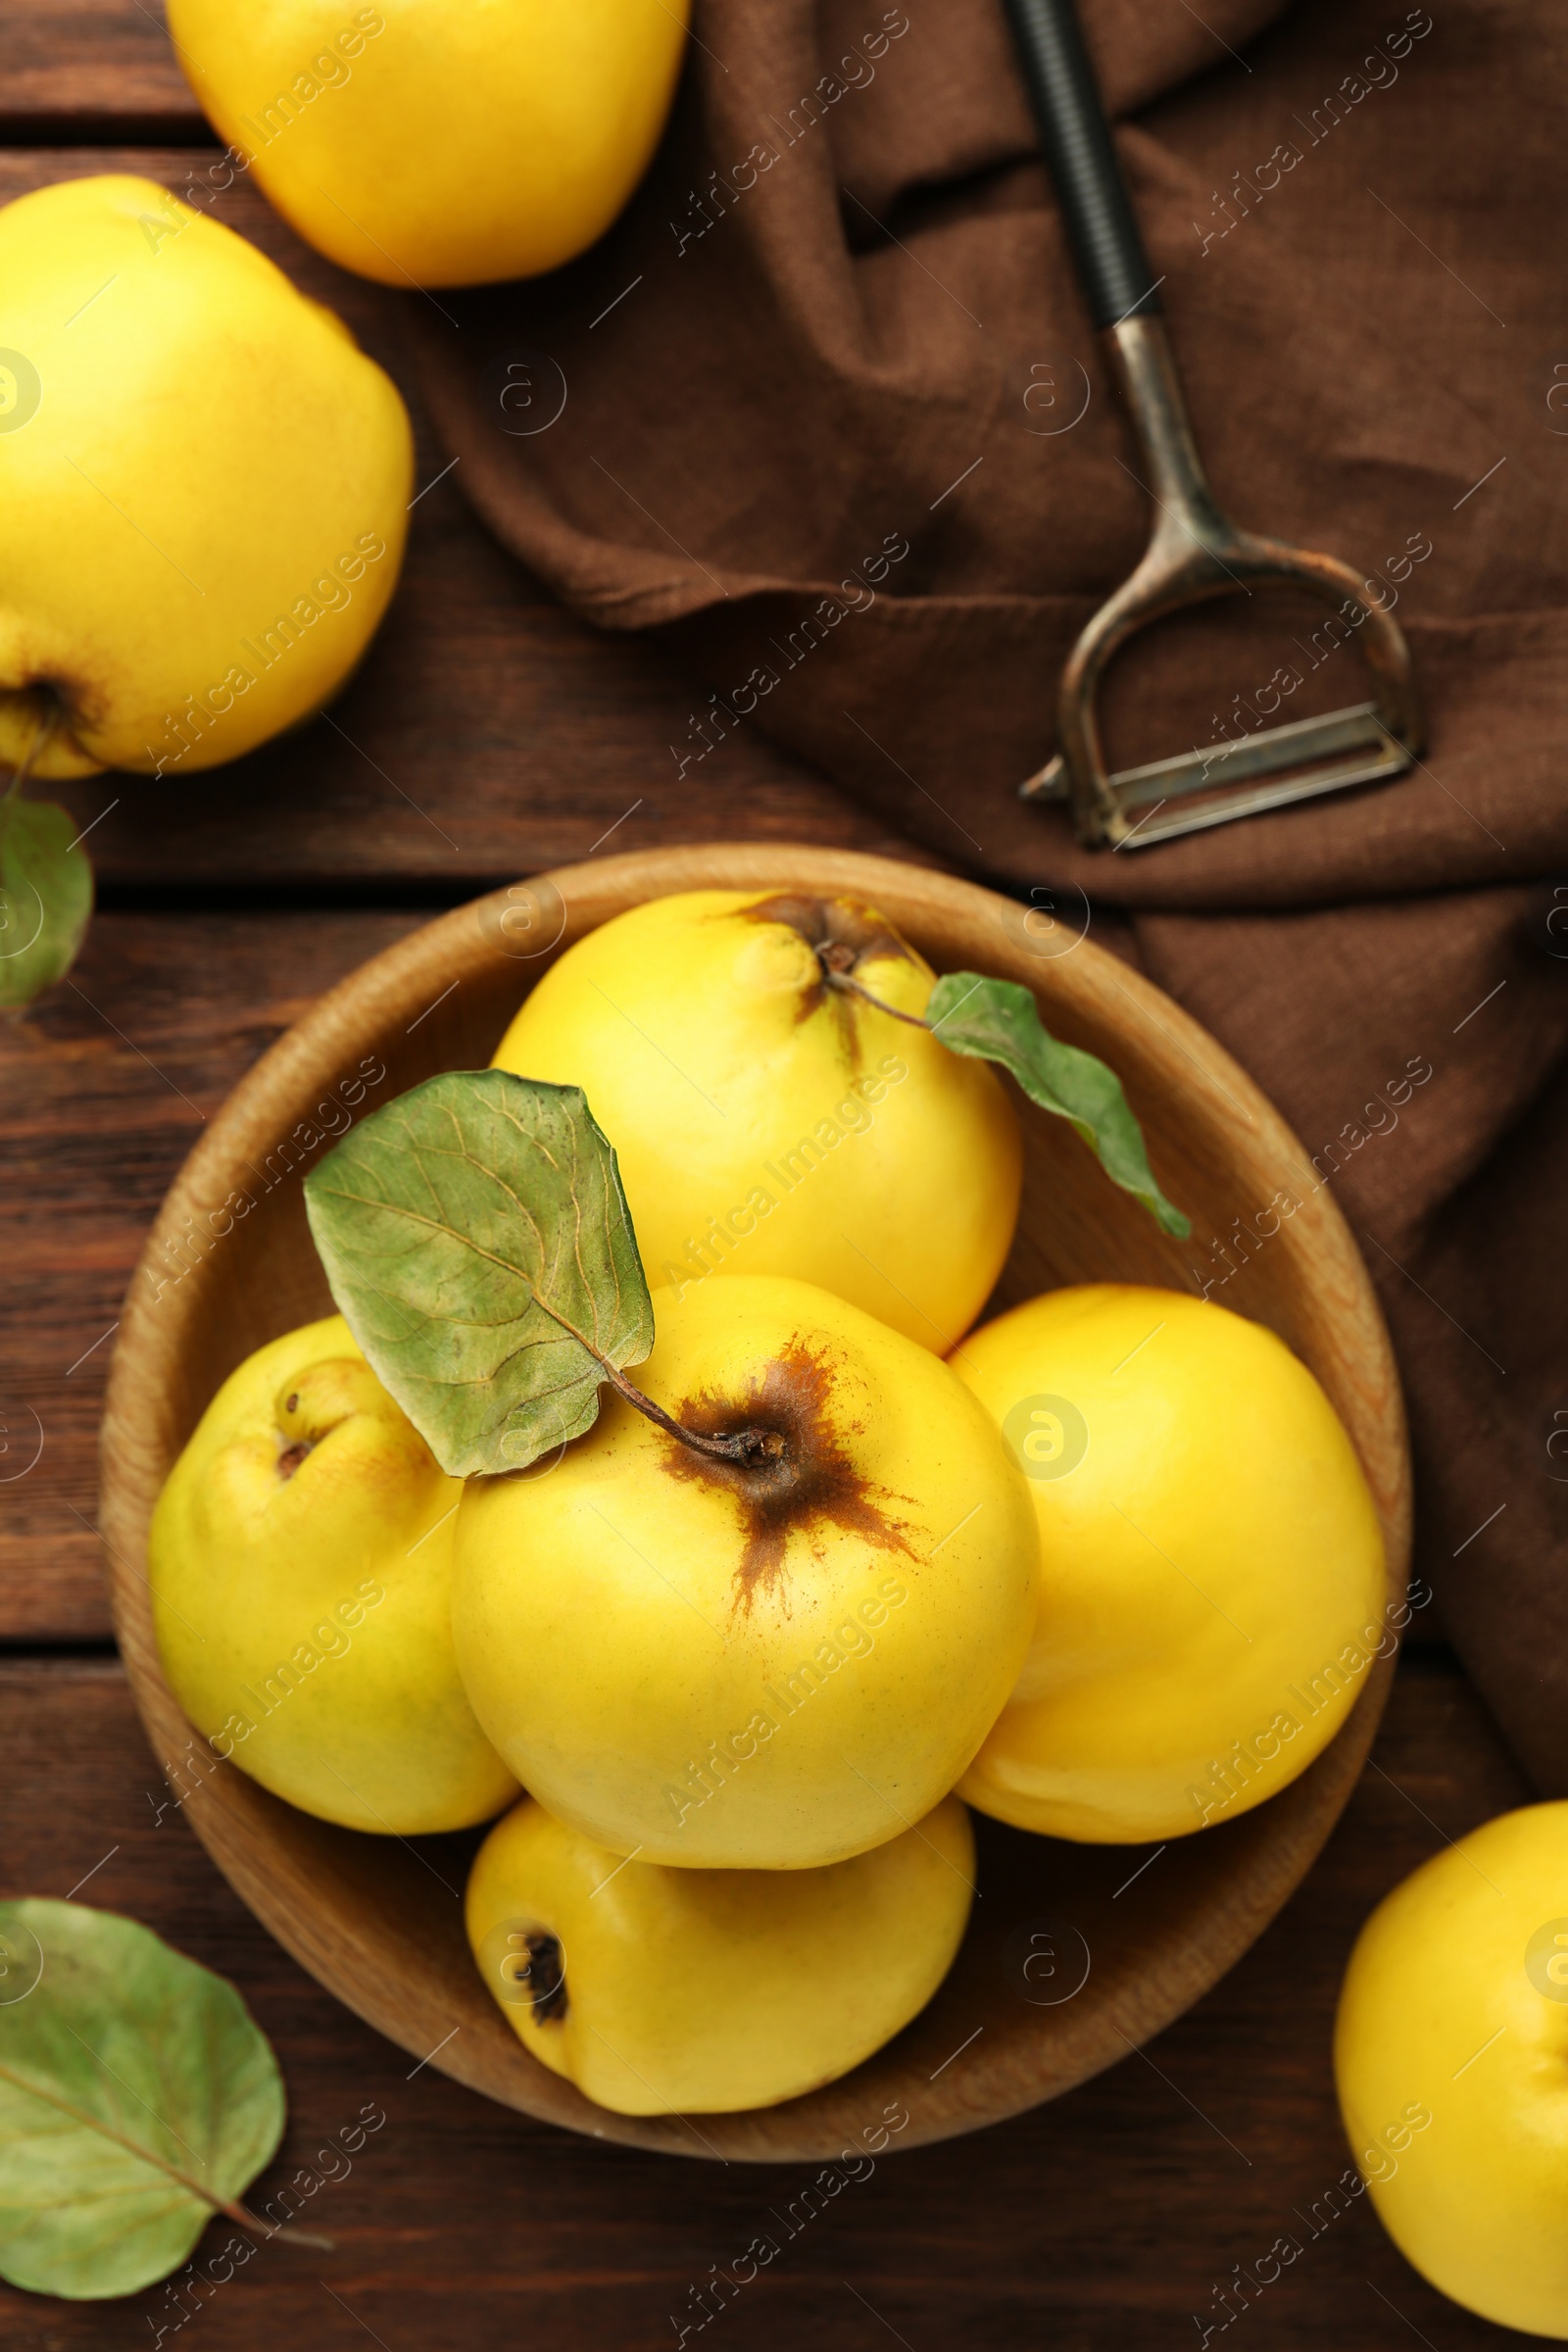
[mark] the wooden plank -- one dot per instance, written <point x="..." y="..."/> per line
<point x="101" y="62"/>
<point x="108" y="1083"/>
<point x="487" y="733"/>
<point x="1101" y="2223"/>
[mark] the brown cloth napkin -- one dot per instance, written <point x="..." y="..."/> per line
<point x="825" y="413"/>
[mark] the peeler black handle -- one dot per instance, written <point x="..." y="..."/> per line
<point x="1108" y="249"/>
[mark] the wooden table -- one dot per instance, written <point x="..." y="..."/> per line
<point x="487" y="735"/>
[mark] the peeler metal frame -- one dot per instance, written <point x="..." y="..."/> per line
<point x="1195" y="551"/>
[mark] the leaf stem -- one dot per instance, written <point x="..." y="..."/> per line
<point x="854" y="988"/>
<point x="144" y="2155"/>
<point x="267" y="2232"/>
<point x="750" y="1447"/>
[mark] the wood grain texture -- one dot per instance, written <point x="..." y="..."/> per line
<point x="487" y="733"/>
<point x="1099" y="2224"/>
<point x="379" y="1929"/>
<point x="107" y="1083"/>
<point x="101" y="62"/>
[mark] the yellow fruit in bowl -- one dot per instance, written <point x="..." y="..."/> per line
<point x="204" y="486"/>
<point x="728" y="1667"/>
<point x="694" y="1992"/>
<point x="438" y="142"/>
<point x="1212" y="1574"/>
<point x="1450" y="2053"/>
<point x="769" y="1120"/>
<point x="300" y="1559"/>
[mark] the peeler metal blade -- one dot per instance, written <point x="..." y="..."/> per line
<point x="1242" y="776"/>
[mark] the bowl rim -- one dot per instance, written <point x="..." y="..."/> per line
<point x="234" y="1818"/>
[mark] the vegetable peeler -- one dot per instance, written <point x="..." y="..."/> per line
<point x="1194" y="552"/>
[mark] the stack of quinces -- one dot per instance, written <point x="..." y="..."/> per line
<point x="754" y="1630"/>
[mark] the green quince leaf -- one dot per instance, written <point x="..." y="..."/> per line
<point x="477" y="1239"/>
<point x="45" y="897"/>
<point x="998" y="1020"/>
<point x="137" y="2097"/>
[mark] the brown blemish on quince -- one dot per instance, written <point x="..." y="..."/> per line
<point x="843" y="935"/>
<point x="811" y="1484"/>
<point x="546" y="1978"/>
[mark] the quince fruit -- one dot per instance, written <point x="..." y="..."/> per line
<point x="204" y="486"/>
<point x="697" y="1991"/>
<point x="1450" y="2053"/>
<point x="769" y="1119"/>
<point x="1212" y="1574"/>
<point x="736" y="1666"/>
<point x="300" y="1560"/>
<point x="438" y="142"/>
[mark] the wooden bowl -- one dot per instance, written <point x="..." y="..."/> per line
<point x="229" y="1264"/>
